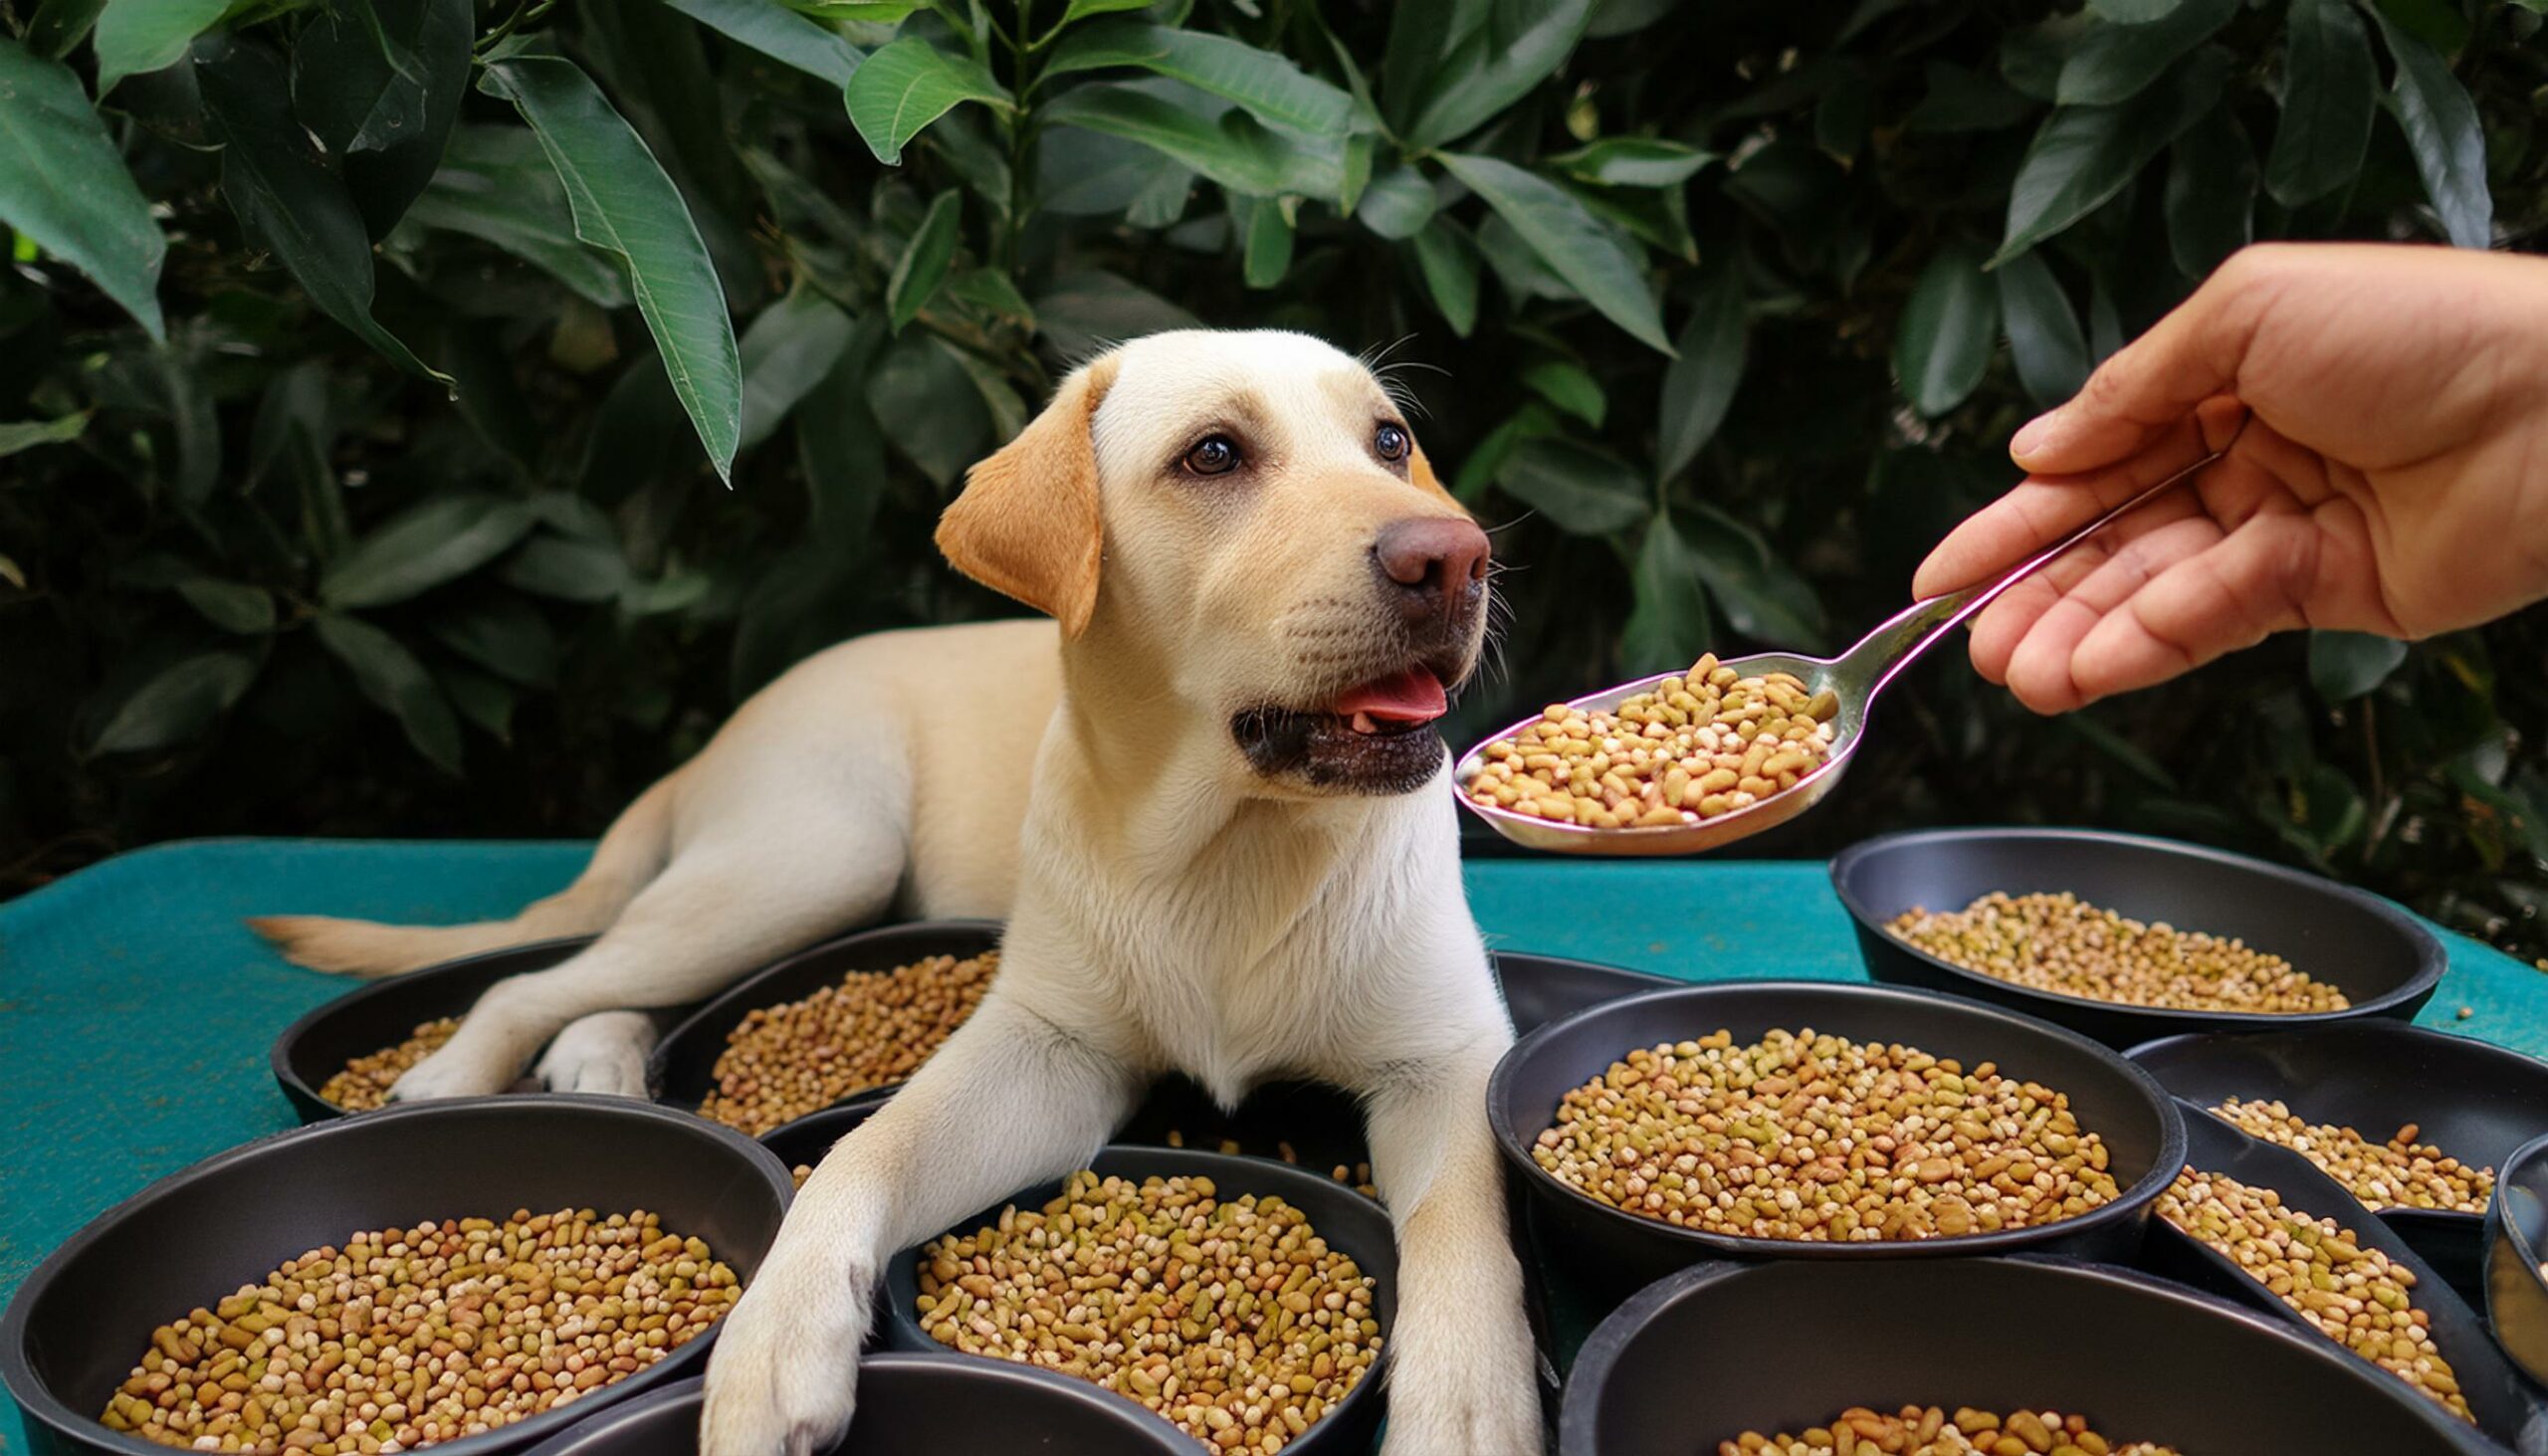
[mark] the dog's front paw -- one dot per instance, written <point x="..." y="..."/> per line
<point x="1473" y="1391"/>
<point x="463" y="1068"/>
<point x="604" y="1053"/>
<point x="782" y="1379"/>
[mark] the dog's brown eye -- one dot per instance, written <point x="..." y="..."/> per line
<point x="1391" y="442"/>
<point x="1217" y="455"/>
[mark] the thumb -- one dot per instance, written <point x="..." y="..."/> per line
<point x="2191" y="355"/>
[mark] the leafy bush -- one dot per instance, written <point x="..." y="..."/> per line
<point x="374" y="364"/>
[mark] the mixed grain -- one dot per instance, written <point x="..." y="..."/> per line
<point x="365" y="1082"/>
<point x="1917" y="1430"/>
<point x="1232" y="1318"/>
<point x="2354" y="1295"/>
<point x="872" y="1030"/>
<point x="1803" y="1135"/>
<point x="405" y="1336"/>
<point x="2063" y="944"/>
<point x="2398" y="1174"/>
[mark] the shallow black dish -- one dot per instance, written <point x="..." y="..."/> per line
<point x="2144" y="1134"/>
<point x="1538" y="989"/>
<point x="78" y="1324"/>
<point x="2506" y="1404"/>
<point x="387" y="1012"/>
<point x="2516" y="1241"/>
<point x="2383" y="960"/>
<point x="684" y="1069"/>
<point x="2474" y="1101"/>
<point x="1350" y="1223"/>
<point x="1712" y="1352"/>
<point x="913" y="1402"/>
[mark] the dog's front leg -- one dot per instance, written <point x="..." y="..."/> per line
<point x="1462" y="1367"/>
<point x="1010" y="1099"/>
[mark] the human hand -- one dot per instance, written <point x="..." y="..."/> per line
<point x="2392" y="478"/>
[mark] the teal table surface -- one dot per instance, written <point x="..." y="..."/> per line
<point x="135" y="1009"/>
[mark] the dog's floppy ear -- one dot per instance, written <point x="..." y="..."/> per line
<point x="1027" y="523"/>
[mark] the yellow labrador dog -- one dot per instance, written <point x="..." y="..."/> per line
<point x="1210" y="805"/>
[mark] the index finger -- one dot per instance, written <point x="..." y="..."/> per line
<point x="2042" y="509"/>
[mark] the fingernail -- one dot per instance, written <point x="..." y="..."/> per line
<point x="2035" y="434"/>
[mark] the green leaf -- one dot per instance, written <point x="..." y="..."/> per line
<point x="2442" y="128"/>
<point x="1421" y="35"/>
<point x="382" y="90"/>
<point x="623" y="202"/>
<point x="503" y="634"/>
<point x="1267" y="235"/>
<point x="1220" y="140"/>
<point x="1943" y="344"/>
<point x="1082" y="9"/>
<point x="495" y="185"/>
<point x="1699" y="386"/>
<point x="178" y="703"/>
<point x="134" y="36"/>
<point x="29" y="434"/>
<point x="2343" y="666"/>
<point x="786" y="353"/>
<point x="1634" y="162"/>
<point x="232" y="607"/>
<point x="59" y="26"/>
<point x="391" y="677"/>
<point x="922" y="265"/>
<point x="1530" y="422"/>
<point x="2211" y="193"/>
<point x="909" y="84"/>
<point x="285" y="193"/>
<point x="1482" y="72"/>
<point x="481" y="698"/>
<point x="1269" y="86"/>
<point x="2135" y="12"/>
<point x="841" y="447"/>
<point x="1594" y="259"/>
<point x="2330" y="88"/>
<point x="1086" y="308"/>
<point x="1762" y="597"/>
<point x="1092" y="174"/>
<point x="1584" y="490"/>
<point x="422" y="548"/>
<point x="1521" y="269"/>
<point x="2115" y="62"/>
<point x="989" y="291"/>
<point x="1398" y="204"/>
<point x="780" y="34"/>
<point x="2083" y="156"/>
<point x="568" y="568"/>
<point x="1965" y="100"/>
<point x="860" y="12"/>
<point x="63" y="186"/>
<point x="1568" y="386"/>
<point x="1627" y="16"/>
<point x="1670" y="624"/>
<point x="930" y="409"/>
<point x="2045" y="342"/>
<point x="1448" y="259"/>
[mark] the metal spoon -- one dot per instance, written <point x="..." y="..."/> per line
<point x="1855" y="677"/>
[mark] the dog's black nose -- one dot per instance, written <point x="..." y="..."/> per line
<point x="1438" y="562"/>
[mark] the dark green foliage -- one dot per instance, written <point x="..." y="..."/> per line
<point x="1721" y="291"/>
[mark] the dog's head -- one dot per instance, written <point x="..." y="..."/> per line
<point x="1243" y="522"/>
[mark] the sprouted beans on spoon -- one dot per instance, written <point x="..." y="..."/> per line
<point x="1708" y="742"/>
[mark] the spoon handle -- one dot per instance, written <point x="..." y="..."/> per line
<point x="1882" y="654"/>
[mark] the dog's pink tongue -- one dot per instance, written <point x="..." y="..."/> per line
<point x="1413" y="696"/>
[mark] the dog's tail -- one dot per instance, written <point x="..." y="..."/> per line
<point x="631" y="853"/>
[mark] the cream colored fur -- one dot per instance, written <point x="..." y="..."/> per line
<point x="1169" y="906"/>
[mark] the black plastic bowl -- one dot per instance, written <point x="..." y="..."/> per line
<point x="2473" y="1100"/>
<point x="1350" y="1223"/>
<point x="2516" y="1241"/>
<point x="913" y="1402"/>
<point x="1538" y="989"/>
<point x="2144" y="1134"/>
<point x="73" y="1331"/>
<point x="2505" y="1405"/>
<point x="1714" y="1350"/>
<point x="2384" y="960"/>
<point x="684" y="1069"/>
<point x="387" y="1012"/>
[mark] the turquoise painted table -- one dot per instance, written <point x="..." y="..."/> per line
<point x="135" y="1010"/>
